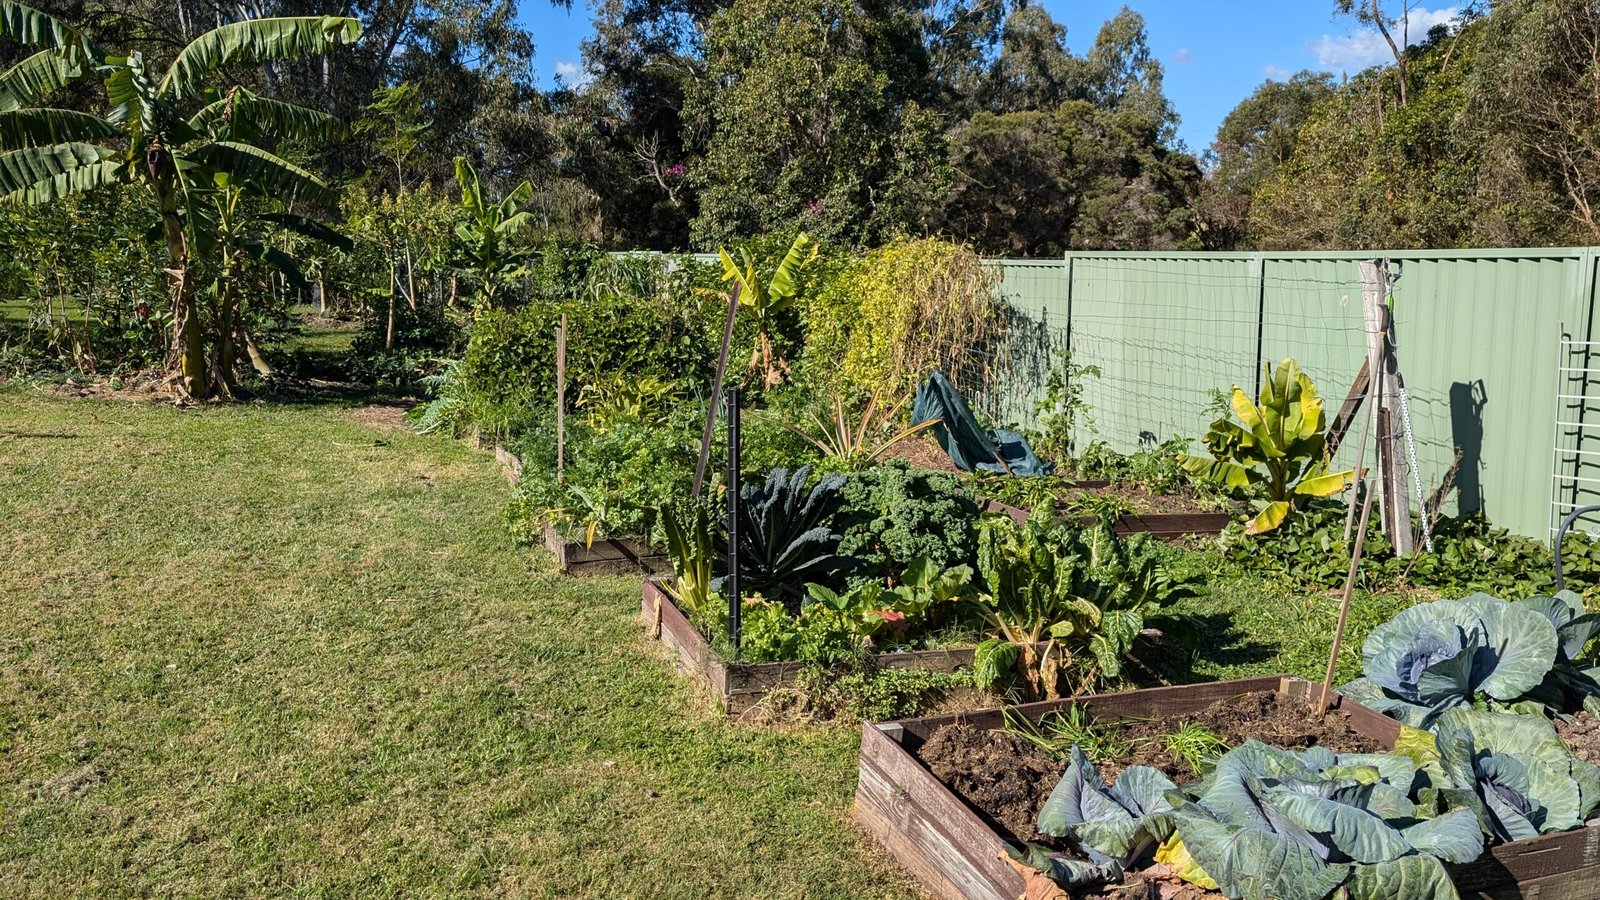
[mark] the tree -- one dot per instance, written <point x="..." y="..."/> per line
<point x="1372" y="14"/>
<point x="1534" y="96"/>
<point x="1120" y="74"/>
<point x="804" y="108"/>
<point x="53" y="153"/>
<point x="1256" y="139"/>
<point x="1037" y="183"/>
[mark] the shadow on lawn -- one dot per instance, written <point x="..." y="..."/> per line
<point x="1193" y="648"/>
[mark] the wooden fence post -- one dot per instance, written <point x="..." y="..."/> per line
<point x="561" y="399"/>
<point x="1385" y="380"/>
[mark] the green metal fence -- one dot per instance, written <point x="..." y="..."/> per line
<point x="1491" y="347"/>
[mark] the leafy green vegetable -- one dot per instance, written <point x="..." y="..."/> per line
<point x="1436" y="656"/>
<point x="786" y="535"/>
<point x="892" y="514"/>
<point x="1071" y="600"/>
<point x="1274" y="824"/>
<point x="1515" y="773"/>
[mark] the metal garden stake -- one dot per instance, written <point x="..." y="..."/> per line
<point x="735" y="607"/>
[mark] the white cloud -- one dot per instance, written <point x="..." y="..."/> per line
<point x="1183" y="57"/>
<point x="572" y="74"/>
<point x="1276" y="73"/>
<point x="1353" y="52"/>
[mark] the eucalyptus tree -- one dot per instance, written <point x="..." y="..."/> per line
<point x="145" y="138"/>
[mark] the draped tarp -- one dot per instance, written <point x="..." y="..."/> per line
<point x="970" y="445"/>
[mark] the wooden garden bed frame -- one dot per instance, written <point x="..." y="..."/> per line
<point x="739" y="687"/>
<point x="955" y="854"/>
<point x="606" y="556"/>
<point x="1161" y="525"/>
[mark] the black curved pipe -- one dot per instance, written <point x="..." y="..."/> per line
<point x="1561" y="536"/>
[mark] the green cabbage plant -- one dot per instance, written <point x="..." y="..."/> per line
<point x="1267" y="823"/>
<point x="1275" y="449"/>
<point x="1479" y="650"/>
<point x="1515" y="773"/>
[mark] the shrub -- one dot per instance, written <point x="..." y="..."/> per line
<point x="886" y="319"/>
<point x="508" y="372"/>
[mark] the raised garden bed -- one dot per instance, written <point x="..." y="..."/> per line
<point x="956" y="852"/>
<point x="606" y="556"/>
<point x="1161" y="525"/>
<point x="739" y="687"/>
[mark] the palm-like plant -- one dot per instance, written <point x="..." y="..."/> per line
<point x="864" y="441"/>
<point x="47" y="154"/>
<point x="766" y="299"/>
<point x="1275" y="448"/>
<point x="486" y="238"/>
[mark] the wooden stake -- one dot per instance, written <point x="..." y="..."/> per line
<point x="1344" y="607"/>
<point x="561" y="399"/>
<point x="1395" y="501"/>
<point x="1347" y="410"/>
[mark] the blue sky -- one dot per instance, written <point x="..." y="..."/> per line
<point x="1215" y="53"/>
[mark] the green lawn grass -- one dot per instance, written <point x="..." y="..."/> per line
<point x="270" y="651"/>
<point x="280" y="650"/>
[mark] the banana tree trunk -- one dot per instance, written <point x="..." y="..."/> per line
<point x="188" y="341"/>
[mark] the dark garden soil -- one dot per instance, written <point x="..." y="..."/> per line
<point x="1582" y="735"/>
<point x="1286" y="722"/>
<point x="1006" y="778"/>
<point x="1138" y="500"/>
<point x="998" y="773"/>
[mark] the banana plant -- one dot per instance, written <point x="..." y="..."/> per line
<point x="766" y="299"/>
<point x="486" y="238"/>
<point x="1275" y="449"/>
<point x="146" y="139"/>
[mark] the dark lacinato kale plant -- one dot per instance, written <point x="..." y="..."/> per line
<point x="892" y="515"/>
<point x="787" y="536"/>
<point x="1479" y="650"/>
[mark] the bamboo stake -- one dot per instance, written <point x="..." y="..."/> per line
<point x="1344" y="605"/>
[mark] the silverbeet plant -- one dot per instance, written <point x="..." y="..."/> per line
<point x="1479" y="650"/>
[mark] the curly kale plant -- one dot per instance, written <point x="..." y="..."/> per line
<point x="892" y="515"/>
<point x="1479" y="650"/>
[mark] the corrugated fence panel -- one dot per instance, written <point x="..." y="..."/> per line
<point x="1037" y="291"/>
<point x="1479" y="338"/>
<point x="1165" y="331"/>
